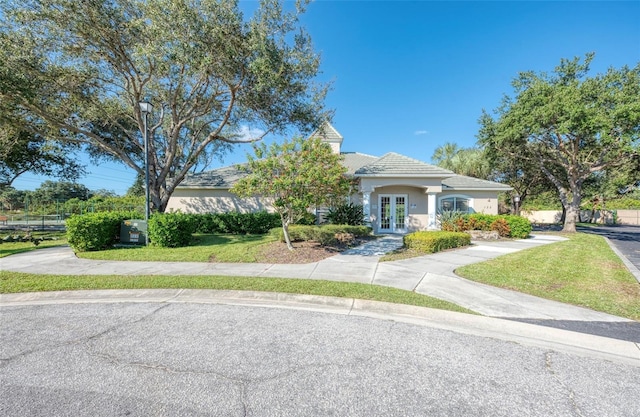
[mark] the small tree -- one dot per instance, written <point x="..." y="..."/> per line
<point x="298" y="174"/>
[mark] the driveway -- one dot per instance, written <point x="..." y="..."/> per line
<point x="87" y="354"/>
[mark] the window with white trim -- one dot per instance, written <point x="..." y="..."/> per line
<point x="455" y="204"/>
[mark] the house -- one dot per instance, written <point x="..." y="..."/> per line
<point x="399" y="194"/>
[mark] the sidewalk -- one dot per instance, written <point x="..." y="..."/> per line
<point x="430" y="275"/>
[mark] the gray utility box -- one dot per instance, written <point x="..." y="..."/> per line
<point x="133" y="231"/>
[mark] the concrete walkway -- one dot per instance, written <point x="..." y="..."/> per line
<point x="430" y="275"/>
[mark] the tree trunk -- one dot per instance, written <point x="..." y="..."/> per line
<point x="572" y="209"/>
<point x="571" y="218"/>
<point x="285" y="231"/>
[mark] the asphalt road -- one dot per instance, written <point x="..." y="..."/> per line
<point x="183" y="359"/>
<point x="625" y="238"/>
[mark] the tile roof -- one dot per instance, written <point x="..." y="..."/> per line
<point x="217" y="178"/>
<point x="354" y="161"/>
<point x="327" y="132"/>
<point x="227" y="176"/>
<point x="461" y="182"/>
<point x="396" y="165"/>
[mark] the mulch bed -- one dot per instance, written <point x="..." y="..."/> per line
<point x="304" y="252"/>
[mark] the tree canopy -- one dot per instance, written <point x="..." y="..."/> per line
<point x="23" y="151"/>
<point x="297" y="175"/>
<point x="568" y="126"/>
<point x="77" y="70"/>
<point x="463" y="161"/>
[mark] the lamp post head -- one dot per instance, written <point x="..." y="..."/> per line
<point x="145" y="108"/>
<point x="516" y="198"/>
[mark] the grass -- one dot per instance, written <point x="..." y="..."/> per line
<point x="223" y="248"/>
<point x="11" y="248"/>
<point x="581" y="271"/>
<point x="12" y="282"/>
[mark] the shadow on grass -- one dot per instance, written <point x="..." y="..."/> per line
<point x="209" y="240"/>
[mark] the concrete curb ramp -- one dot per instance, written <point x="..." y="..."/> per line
<point x="526" y="334"/>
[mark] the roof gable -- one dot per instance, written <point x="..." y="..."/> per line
<point x="395" y="165"/>
<point x="327" y="133"/>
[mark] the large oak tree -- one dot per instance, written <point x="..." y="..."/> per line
<point x="568" y="126"/>
<point x="76" y="71"/>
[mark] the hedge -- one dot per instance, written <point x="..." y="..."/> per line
<point x="506" y="225"/>
<point x="96" y="231"/>
<point x="235" y="223"/>
<point x="435" y="241"/>
<point x="171" y="230"/>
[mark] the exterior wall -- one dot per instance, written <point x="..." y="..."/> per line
<point x="542" y="216"/>
<point x="626" y="217"/>
<point x="481" y="201"/>
<point x="189" y="200"/>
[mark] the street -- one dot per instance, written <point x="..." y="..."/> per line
<point x="189" y="359"/>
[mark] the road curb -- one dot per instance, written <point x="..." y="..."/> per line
<point x="632" y="268"/>
<point x="523" y="333"/>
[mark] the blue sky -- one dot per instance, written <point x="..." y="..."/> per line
<point x="409" y="76"/>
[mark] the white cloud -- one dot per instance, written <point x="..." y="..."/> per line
<point x="421" y="132"/>
<point x="247" y="134"/>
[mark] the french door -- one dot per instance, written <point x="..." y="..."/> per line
<point x="393" y="213"/>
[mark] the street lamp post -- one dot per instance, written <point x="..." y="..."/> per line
<point x="516" y="201"/>
<point x="146" y="109"/>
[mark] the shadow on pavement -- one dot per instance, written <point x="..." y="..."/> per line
<point x="627" y="331"/>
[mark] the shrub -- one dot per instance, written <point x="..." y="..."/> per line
<point x="348" y="213"/>
<point x="448" y="220"/>
<point x="624" y="203"/>
<point x="502" y="227"/>
<point x="95" y="231"/>
<point x="171" y="230"/>
<point x="435" y="241"/>
<point x="461" y="225"/>
<point x="480" y="221"/>
<point x="325" y="235"/>
<point x="519" y="226"/>
<point x="307" y="219"/>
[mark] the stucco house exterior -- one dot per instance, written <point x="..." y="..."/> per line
<point x="399" y="194"/>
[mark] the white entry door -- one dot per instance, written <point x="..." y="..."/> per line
<point x="393" y="213"/>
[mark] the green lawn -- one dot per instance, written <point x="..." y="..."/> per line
<point x="582" y="271"/>
<point x="223" y="248"/>
<point x="53" y="239"/>
<point x="12" y="282"/>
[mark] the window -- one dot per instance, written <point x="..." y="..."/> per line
<point x="455" y="204"/>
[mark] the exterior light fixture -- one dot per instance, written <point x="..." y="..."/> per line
<point x="146" y="109"/>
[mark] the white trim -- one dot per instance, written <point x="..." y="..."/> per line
<point x="366" y="207"/>
<point x="446" y="196"/>
<point x="432" y="208"/>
